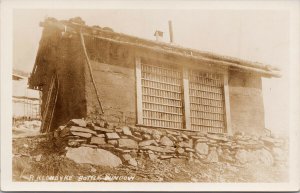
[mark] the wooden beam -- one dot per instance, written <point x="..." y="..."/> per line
<point x="91" y="72"/>
<point x="186" y="93"/>
<point x="138" y="75"/>
<point x="227" y="105"/>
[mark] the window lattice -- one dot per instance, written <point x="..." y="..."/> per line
<point x="206" y="102"/>
<point x="162" y="96"/>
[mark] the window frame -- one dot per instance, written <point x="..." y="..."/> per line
<point x="186" y="96"/>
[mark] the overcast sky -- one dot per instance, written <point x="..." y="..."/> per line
<point x="256" y="35"/>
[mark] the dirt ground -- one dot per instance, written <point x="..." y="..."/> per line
<point x="37" y="159"/>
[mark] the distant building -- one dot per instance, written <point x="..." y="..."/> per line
<point x="26" y="102"/>
<point x="90" y="72"/>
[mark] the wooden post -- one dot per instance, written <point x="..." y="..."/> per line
<point x="90" y="71"/>
<point x="138" y="75"/>
<point x="227" y="105"/>
<point x="186" y="93"/>
<point x="171" y="32"/>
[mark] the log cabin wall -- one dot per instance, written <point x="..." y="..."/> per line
<point x="246" y="102"/>
<point x="114" y="74"/>
<point x="71" y="102"/>
<point x="114" y="70"/>
<point x="61" y="55"/>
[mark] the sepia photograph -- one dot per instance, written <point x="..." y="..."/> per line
<point x="199" y="94"/>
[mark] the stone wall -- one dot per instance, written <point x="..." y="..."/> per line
<point x="246" y="103"/>
<point x="130" y="143"/>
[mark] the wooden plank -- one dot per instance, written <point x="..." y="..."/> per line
<point x="227" y="105"/>
<point x="91" y="71"/>
<point x="138" y="75"/>
<point x="186" y="93"/>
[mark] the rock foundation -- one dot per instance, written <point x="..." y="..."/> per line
<point x="130" y="143"/>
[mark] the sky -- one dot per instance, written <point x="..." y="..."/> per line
<point x="255" y="35"/>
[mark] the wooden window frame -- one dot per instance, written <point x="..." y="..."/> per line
<point x="227" y="104"/>
<point x="139" y="94"/>
<point x="186" y="99"/>
<point x="186" y="96"/>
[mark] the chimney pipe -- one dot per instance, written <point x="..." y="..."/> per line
<point x="171" y="32"/>
<point x="159" y="35"/>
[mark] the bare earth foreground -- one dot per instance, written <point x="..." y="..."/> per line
<point x="36" y="158"/>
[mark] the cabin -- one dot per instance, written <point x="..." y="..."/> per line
<point x="95" y="73"/>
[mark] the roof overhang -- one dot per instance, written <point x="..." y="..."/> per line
<point x="122" y="39"/>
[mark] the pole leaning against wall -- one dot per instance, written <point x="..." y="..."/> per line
<point x="90" y="71"/>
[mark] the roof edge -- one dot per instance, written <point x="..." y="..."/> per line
<point x="77" y="25"/>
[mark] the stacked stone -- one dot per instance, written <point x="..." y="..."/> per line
<point x="131" y="143"/>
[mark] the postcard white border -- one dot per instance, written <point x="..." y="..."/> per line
<point x="6" y="95"/>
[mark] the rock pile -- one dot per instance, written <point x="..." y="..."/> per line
<point x="127" y="144"/>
